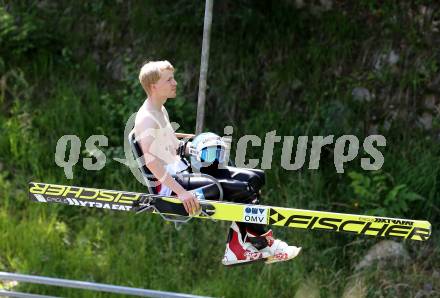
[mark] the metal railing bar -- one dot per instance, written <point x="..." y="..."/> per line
<point x="92" y="286"/>
<point x="4" y="293"/>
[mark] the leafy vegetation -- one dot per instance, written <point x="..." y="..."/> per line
<point x="71" y="68"/>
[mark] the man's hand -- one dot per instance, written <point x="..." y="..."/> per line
<point x="190" y="202"/>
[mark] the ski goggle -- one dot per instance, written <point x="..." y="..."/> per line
<point x="212" y="154"/>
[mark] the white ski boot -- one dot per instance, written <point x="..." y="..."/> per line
<point x="277" y="250"/>
<point x="239" y="252"/>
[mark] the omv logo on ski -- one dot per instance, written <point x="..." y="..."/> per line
<point x="255" y="214"/>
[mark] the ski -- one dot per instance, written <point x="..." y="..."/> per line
<point x="170" y="208"/>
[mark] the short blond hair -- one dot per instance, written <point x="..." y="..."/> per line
<point x="150" y="73"/>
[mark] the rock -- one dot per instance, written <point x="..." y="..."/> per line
<point x="429" y="102"/>
<point x="393" y="58"/>
<point x="392" y="115"/>
<point x="427" y="287"/>
<point x="427" y="291"/>
<point x="385" y="59"/>
<point x="361" y="94"/>
<point x="378" y="63"/>
<point x="384" y="251"/>
<point x="425" y="121"/>
<point x="116" y="69"/>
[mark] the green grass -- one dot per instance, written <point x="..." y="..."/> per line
<point x="272" y="67"/>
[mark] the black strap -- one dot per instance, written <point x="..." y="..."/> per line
<point x="167" y="207"/>
<point x="182" y="148"/>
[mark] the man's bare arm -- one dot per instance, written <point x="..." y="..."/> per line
<point x="157" y="167"/>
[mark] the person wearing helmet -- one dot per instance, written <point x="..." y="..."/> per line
<point x="164" y="156"/>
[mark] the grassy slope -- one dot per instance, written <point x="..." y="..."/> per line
<point x="299" y="66"/>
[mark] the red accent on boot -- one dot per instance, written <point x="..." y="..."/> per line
<point x="236" y="247"/>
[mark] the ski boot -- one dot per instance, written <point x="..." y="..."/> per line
<point x="277" y="250"/>
<point x="239" y="252"/>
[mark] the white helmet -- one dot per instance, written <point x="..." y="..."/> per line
<point x="207" y="149"/>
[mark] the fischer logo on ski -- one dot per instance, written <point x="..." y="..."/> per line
<point x="274" y="216"/>
<point x="84" y="193"/>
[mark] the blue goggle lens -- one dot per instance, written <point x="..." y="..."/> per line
<point x="211" y="155"/>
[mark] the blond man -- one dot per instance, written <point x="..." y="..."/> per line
<point x="246" y="242"/>
<point x="155" y="134"/>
